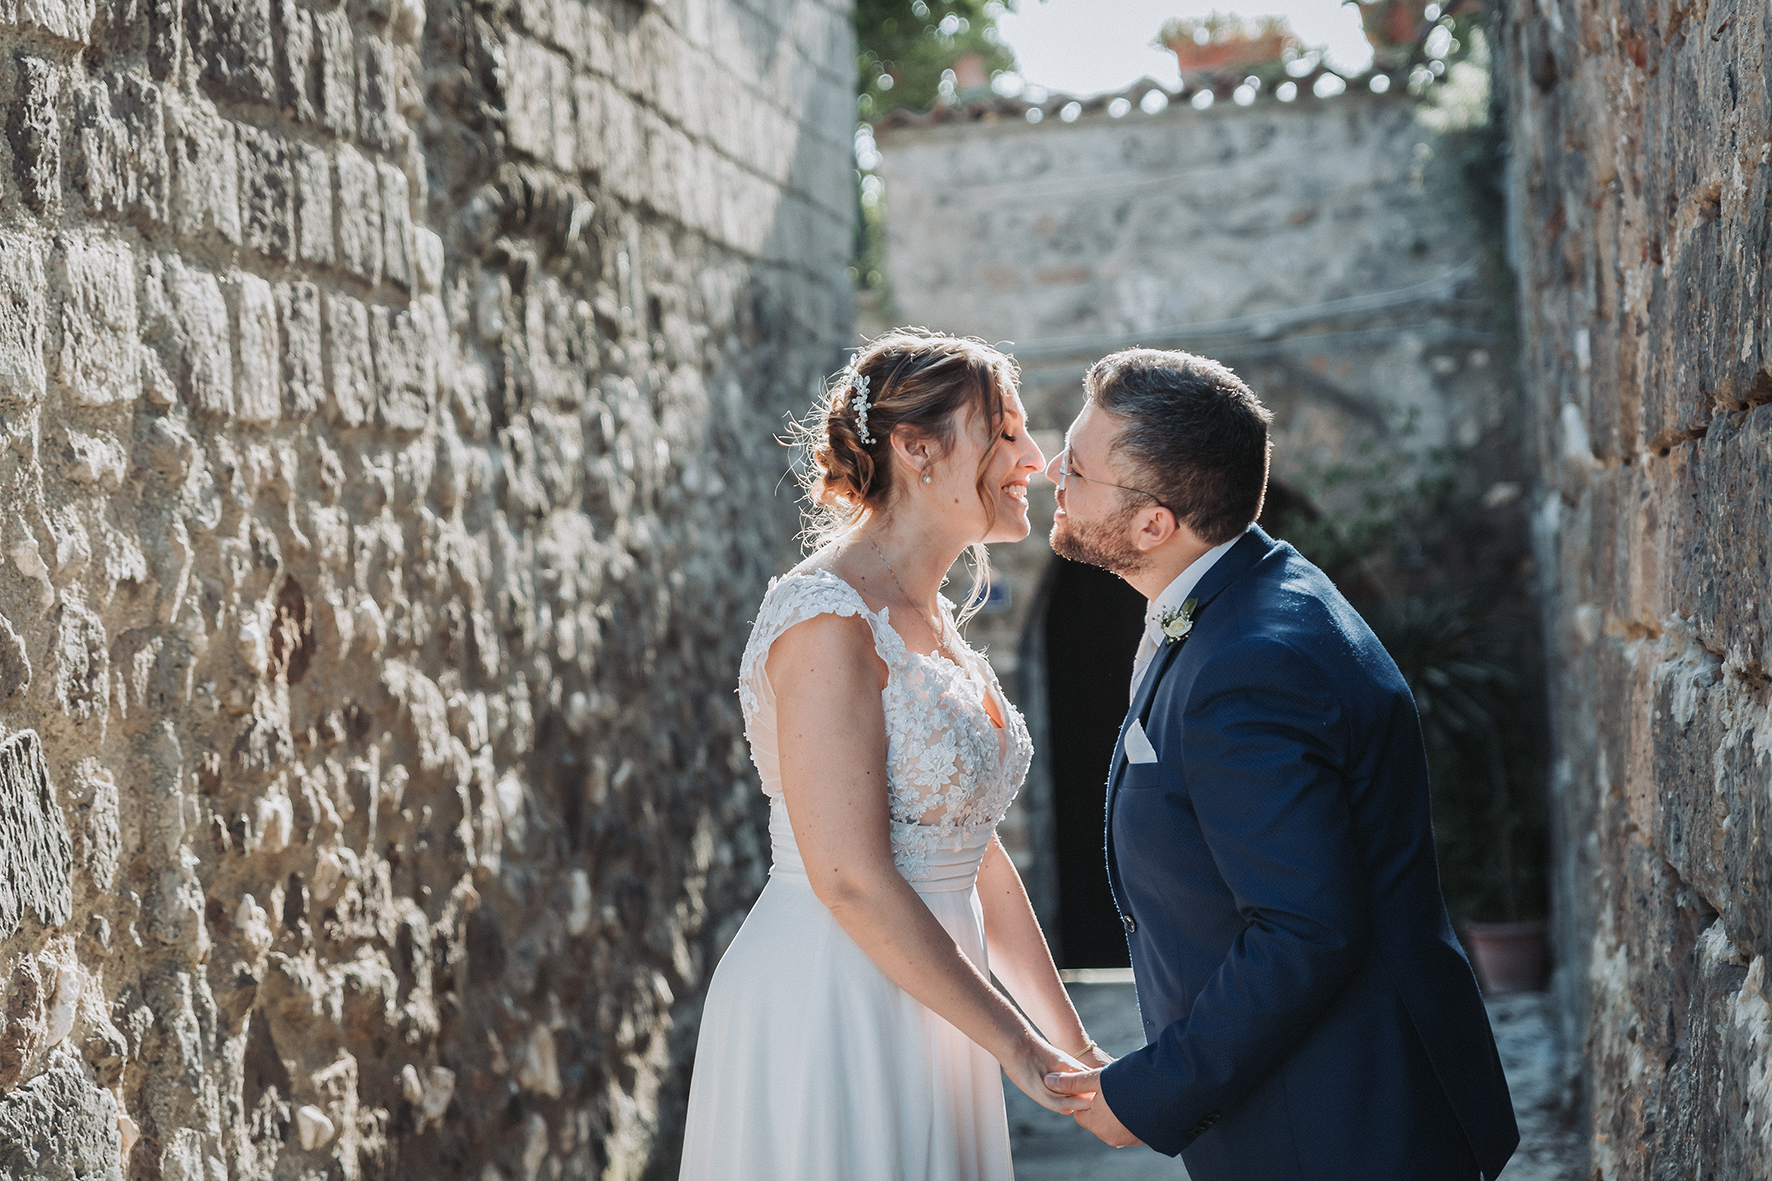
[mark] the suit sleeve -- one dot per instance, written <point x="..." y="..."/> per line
<point x="1261" y="754"/>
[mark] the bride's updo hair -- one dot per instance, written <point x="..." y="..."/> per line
<point x="924" y="381"/>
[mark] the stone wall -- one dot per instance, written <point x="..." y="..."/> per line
<point x="387" y="392"/>
<point x="1640" y="187"/>
<point x="1327" y="249"/>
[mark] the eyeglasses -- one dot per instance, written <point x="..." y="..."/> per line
<point x="1065" y="473"/>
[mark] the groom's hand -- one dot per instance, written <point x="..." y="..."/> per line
<point x="1099" y="1118"/>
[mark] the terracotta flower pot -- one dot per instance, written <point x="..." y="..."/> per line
<point x="1510" y="957"/>
<point x="1232" y="51"/>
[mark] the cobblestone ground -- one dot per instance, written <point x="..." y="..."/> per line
<point x="1552" y="1147"/>
<point x="1052" y="1148"/>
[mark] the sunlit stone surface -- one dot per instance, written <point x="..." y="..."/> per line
<point x="386" y="403"/>
<point x="1640" y="189"/>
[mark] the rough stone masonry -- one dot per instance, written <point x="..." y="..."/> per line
<point x="1642" y="187"/>
<point x="386" y="399"/>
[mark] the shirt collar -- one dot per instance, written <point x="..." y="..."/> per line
<point x="1176" y="593"/>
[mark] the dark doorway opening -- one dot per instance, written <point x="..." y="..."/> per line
<point x="1093" y="621"/>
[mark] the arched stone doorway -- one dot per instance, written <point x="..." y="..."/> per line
<point x="1092" y="623"/>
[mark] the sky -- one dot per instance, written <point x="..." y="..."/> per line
<point x="1086" y="47"/>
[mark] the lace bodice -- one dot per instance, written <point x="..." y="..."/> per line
<point x="951" y="772"/>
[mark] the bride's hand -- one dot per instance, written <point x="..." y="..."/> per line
<point x="1028" y="1070"/>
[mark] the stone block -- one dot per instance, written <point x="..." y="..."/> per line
<point x="60" y="1126"/>
<point x="267" y="193"/>
<point x="594" y="43"/>
<point x="99" y="350"/>
<point x="357" y="208"/>
<point x="188" y="311"/>
<point x="166" y="41"/>
<point x="304" y="373"/>
<point x="122" y="167"/>
<point x="22" y="315"/>
<point x="396" y="227"/>
<point x="68" y="20"/>
<point x="234" y="43"/>
<point x="526" y="96"/>
<point x="747" y="210"/>
<point x="376" y="112"/>
<point x="335" y="66"/>
<point x="675" y="92"/>
<point x="206" y="174"/>
<point x="298" y="83"/>
<point x="825" y="37"/>
<point x="80" y="658"/>
<point x="1724" y="1026"/>
<point x="351" y="363"/>
<point x="668" y="164"/>
<point x="21" y="1031"/>
<point x="35" y="134"/>
<point x="313" y="204"/>
<point x="258" y="385"/>
<point x="609" y="141"/>
<point x="15" y="662"/>
<point x="1692" y="770"/>
<point x="36" y="856"/>
<point x="101" y="842"/>
<point x="427" y="261"/>
<point x="405" y="370"/>
<point x="539" y="117"/>
<point x="1729" y="570"/>
<point x="746" y="46"/>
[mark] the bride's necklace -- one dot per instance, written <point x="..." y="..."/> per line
<point x="941" y="642"/>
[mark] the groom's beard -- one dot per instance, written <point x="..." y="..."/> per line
<point x="1106" y="544"/>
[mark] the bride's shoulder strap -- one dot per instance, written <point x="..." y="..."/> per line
<point x="795" y="598"/>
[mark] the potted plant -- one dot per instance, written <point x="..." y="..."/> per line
<point x="1220" y="44"/>
<point x="1490" y="841"/>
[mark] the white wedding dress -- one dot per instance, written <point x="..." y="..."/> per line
<point x="812" y="1065"/>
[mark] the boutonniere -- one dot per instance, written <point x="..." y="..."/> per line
<point x="1177" y="622"/>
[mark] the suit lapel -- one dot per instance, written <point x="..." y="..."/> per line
<point x="1254" y="544"/>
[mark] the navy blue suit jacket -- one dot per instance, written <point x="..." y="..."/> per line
<point x="1309" y="1010"/>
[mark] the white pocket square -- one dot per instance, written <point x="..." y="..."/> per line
<point x="1138" y="747"/>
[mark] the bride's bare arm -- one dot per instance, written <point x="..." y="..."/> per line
<point x="831" y="731"/>
<point x="1021" y="959"/>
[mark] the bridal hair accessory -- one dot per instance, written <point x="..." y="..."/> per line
<point x="1177" y="622"/>
<point x="858" y="402"/>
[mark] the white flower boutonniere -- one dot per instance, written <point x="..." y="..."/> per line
<point x="1177" y="622"/>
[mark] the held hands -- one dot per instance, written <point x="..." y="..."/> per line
<point x="1097" y="1117"/>
<point x="1036" y="1064"/>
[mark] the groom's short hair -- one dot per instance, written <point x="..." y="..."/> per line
<point x="1194" y="435"/>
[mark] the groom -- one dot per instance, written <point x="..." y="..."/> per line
<point x="1308" y="1009"/>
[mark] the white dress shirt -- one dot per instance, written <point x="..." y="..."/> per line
<point x="1173" y="595"/>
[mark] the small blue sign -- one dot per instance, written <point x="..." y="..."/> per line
<point x="996" y="596"/>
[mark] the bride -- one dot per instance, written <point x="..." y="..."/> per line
<point x="852" y="1032"/>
